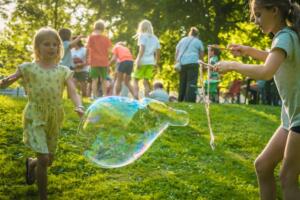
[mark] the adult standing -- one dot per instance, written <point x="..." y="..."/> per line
<point x="188" y="51"/>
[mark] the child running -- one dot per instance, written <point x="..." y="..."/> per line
<point x="98" y="46"/>
<point x="65" y="35"/>
<point x="281" y="18"/>
<point x="122" y="55"/>
<point x="81" y="69"/>
<point x="44" y="81"/>
<point x="148" y="56"/>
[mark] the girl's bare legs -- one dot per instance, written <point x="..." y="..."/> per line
<point x="118" y="84"/>
<point x="42" y="163"/>
<point x="290" y="170"/>
<point x="89" y="88"/>
<point x="267" y="161"/>
<point x="136" y="88"/>
<point x="83" y="88"/>
<point x="95" y="92"/>
<point x="104" y="86"/>
<point x="32" y="168"/>
<point x="77" y="84"/>
<point x="129" y="86"/>
<point x="147" y="87"/>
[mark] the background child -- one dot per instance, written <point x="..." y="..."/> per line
<point x="148" y="56"/>
<point x="65" y="35"/>
<point x="122" y="55"/>
<point x="282" y="62"/>
<point x="44" y="82"/>
<point x="159" y="93"/>
<point x="214" y="57"/>
<point x="80" y="67"/>
<point x="98" y="47"/>
<point x="213" y="82"/>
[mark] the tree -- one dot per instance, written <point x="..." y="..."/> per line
<point x="171" y="20"/>
<point x="27" y="18"/>
<point x="4" y="9"/>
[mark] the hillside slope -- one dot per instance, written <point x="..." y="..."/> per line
<point x="179" y="165"/>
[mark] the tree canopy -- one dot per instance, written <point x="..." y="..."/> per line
<point x="219" y="22"/>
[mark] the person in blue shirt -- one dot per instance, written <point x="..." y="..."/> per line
<point x="188" y="51"/>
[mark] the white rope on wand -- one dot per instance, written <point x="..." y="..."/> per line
<point x="207" y="100"/>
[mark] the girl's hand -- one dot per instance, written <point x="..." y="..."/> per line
<point x="238" y="50"/>
<point x="138" y="63"/>
<point x="80" y="110"/>
<point x="225" y="66"/>
<point x="4" y="83"/>
<point x="81" y="36"/>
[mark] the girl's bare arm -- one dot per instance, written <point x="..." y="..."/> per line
<point x="74" y="96"/>
<point x="140" y="54"/>
<point x="259" y="72"/>
<point x="157" y="56"/>
<point x="241" y="50"/>
<point x="4" y="83"/>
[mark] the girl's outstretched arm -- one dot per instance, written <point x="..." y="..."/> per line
<point x="74" y="42"/>
<point x="112" y="60"/>
<point x="157" y="56"/>
<point x="74" y="96"/>
<point x="4" y="83"/>
<point x="201" y="55"/>
<point x="258" y="72"/>
<point x="241" y="50"/>
<point x="140" y="55"/>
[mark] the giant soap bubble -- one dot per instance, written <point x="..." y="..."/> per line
<point x="115" y="131"/>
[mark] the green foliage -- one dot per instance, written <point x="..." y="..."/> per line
<point x="179" y="165"/>
<point x="219" y="22"/>
<point x="247" y="34"/>
<point x="3" y="8"/>
<point x="167" y="73"/>
<point x="171" y="20"/>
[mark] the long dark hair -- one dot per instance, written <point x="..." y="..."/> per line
<point x="290" y="11"/>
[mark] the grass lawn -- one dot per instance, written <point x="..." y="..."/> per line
<point x="179" y="165"/>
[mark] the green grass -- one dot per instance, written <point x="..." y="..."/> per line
<point x="179" y="165"/>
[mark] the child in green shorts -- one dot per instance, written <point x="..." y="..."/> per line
<point x="148" y="56"/>
<point x="98" y="47"/>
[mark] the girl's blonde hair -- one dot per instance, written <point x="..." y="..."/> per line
<point x="43" y="34"/>
<point x="145" y="26"/>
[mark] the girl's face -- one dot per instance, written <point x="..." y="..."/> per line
<point x="264" y="18"/>
<point x="49" y="48"/>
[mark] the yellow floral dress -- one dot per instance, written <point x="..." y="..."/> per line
<point x="43" y="114"/>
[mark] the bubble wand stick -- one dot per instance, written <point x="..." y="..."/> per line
<point x="205" y="64"/>
<point x="218" y="47"/>
<point x="206" y="100"/>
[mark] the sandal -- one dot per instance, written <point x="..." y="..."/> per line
<point x="29" y="179"/>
